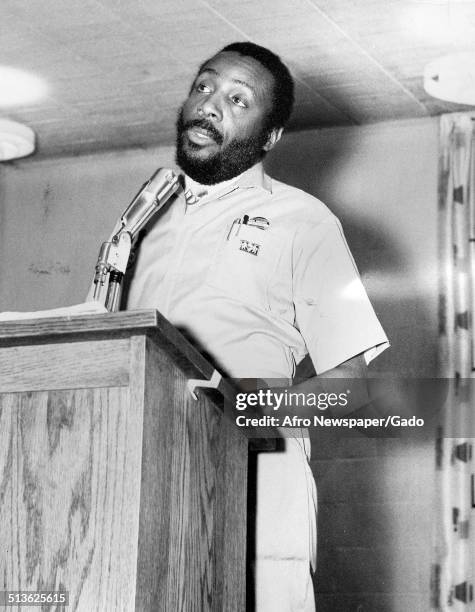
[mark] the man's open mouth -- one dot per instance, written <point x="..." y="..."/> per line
<point x="200" y="135"/>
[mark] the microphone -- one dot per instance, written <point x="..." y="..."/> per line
<point x="114" y="254"/>
<point x="150" y="199"/>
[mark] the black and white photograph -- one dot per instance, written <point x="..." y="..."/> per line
<point x="237" y="294"/>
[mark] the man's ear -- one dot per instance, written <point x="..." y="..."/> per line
<point x="273" y="138"/>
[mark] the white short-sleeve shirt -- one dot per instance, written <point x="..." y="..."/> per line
<point x="258" y="274"/>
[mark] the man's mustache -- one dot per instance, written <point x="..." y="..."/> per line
<point x="204" y="124"/>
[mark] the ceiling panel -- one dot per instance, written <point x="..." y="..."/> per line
<point x="117" y="71"/>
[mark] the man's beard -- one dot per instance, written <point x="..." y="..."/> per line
<point x="230" y="161"/>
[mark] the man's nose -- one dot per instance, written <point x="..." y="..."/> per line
<point x="211" y="106"/>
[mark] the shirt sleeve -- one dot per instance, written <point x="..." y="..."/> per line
<point x="333" y="312"/>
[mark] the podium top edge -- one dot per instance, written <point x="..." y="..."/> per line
<point x="110" y="324"/>
<point x="79" y="324"/>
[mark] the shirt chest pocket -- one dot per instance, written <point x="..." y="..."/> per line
<point x="244" y="263"/>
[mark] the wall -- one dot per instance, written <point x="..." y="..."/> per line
<point x="381" y="181"/>
<point x="375" y="496"/>
<point x="54" y="215"/>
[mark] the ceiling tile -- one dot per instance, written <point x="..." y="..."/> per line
<point x="118" y="70"/>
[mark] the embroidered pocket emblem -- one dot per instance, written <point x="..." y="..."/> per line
<point x="249" y="247"/>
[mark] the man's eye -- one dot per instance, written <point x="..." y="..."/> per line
<point x="239" y="101"/>
<point x="202" y="88"/>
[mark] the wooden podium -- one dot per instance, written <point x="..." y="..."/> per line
<point x="115" y="484"/>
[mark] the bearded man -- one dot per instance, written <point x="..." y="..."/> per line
<point x="258" y="275"/>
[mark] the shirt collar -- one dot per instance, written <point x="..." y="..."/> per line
<point x="208" y="191"/>
<point x="253" y="177"/>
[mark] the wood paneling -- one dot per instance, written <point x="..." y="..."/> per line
<point x="122" y="490"/>
<point x="188" y="446"/>
<point x="69" y="495"/>
<point x="47" y="366"/>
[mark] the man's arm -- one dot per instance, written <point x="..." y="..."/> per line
<point x="367" y="398"/>
<point x="373" y="398"/>
<point x="351" y="378"/>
